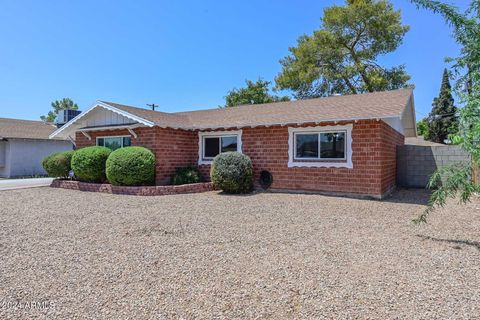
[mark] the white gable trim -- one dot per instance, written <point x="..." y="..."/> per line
<point x="105" y="106"/>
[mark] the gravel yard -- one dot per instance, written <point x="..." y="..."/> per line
<point x="272" y="256"/>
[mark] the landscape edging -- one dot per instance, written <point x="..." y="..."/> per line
<point x="133" y="190"/>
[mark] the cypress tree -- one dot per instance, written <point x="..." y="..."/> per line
<point x="443" y="119"/>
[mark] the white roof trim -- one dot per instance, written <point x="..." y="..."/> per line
<point x="110" y="127"/>
<point x="105" y="106"/>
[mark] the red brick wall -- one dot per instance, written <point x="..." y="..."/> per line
<point x="374" y="157"/>
<point x="136" y="191"/>
<point x="390" y="139"/>
<point x="172" y="148"/>
<point x="175" y="148"/>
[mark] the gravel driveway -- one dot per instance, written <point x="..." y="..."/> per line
<point x="265" y="256"/>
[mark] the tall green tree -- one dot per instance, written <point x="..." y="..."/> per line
<point x="57" y="105"/>
<point x="254" y="93"/>
<point x="341" y="57"/>
<point x="422" y="128"/>
<point x="443" y="119"/>
<point x="460" y="180"/>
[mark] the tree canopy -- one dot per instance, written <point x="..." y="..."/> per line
<point x="254" y="93"/>
<point x="341" y="57"/>
<point x="443" y="119"/>
<point x="422" y="128"/>
<point x="57" y="105"/>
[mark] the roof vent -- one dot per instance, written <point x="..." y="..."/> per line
<point x="65" y="115"/>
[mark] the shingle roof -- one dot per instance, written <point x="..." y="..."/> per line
<point x="373" y="105"/>
<point x="25" y="129"/>
<point x="159" y="118"/>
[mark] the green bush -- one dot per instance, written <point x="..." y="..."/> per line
<point x="232" y="172"/>
<point x="131" y="166"/>
<point x="58" y="165"/>
<point x="88" y="164"/>
<point x="186" y="175"/>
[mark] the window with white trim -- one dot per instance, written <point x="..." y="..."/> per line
<point x="114" y="142"/>
<point x="321" y="146"/>
<point x="213" y="143"/>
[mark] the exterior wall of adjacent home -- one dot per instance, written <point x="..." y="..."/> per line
<point x="373" y="156"/>
<point x="23" y="157"/>
<point x="4" y="164"/>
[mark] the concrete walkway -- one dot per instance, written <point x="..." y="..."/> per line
<point x="9" y="184"/>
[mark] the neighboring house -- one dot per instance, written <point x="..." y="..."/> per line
<point x="23" y="145"/>
<point x="338" y="144"/>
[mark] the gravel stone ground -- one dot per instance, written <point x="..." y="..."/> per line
<point x="214" y="256"/>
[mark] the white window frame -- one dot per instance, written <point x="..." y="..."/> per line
<point x="104" y="137"/>
<point x="295" y="134"/>
<point x="216" y="134"/>
<point x="346" y="162"/>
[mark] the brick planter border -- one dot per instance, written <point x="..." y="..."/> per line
<point x="136" y="191"/>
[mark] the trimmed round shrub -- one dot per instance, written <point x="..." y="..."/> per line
<point x="232" y="172"/>
<point x="186" y="175"/>
<point x="88" y="164"/>
<point x="131" y="166"/>
<point x="58" y="165"/>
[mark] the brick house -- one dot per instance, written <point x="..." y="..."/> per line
<point x="339" y="144"/>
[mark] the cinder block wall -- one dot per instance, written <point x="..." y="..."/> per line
<point x="415" y="164"/>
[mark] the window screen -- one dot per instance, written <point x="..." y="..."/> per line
<point x="211" y="147"/>
<point x="306" y="145"/>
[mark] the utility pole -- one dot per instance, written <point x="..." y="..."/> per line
<point x="153" y="105"/>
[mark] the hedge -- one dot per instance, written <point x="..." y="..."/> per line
<point x="186" y="175"/>
<point x="131" y="166"/>
<point x="232" y="172"/>
<point x="58" y="165"/>
<point x="88" y="163"/>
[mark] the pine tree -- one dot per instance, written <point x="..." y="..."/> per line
<point x="343" y="55"/>
<point x="443" y="119"/>
<point x="57" y="105"/>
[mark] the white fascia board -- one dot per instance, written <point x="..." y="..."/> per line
<point x="146" y="122"/>
<point x="105" y="106"/>
<point x="107" y="127"/>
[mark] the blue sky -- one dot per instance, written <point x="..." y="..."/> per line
<point x="182" y="55"/>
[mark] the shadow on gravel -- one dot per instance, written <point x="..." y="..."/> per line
<point x="410" y="195"/>
<point x="401" y="195"/>
<point x="474" y="244"/>
<point x="242" y="195"/>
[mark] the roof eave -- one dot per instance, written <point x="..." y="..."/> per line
<point x="253" y="125"/>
